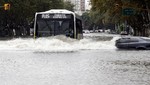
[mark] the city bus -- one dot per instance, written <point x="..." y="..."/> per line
<point x="58" y="22"/>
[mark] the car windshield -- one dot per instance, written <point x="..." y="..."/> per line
<point x="146" y="39"/>
<point x="127" y="40"/>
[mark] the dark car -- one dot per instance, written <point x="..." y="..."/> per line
<point x="133" y="43"/>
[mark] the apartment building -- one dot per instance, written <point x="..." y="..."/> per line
<point x="79" y="6"/>
<point x="87" y="5"/>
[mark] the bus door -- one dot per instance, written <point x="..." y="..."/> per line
<point x="68" y="28"/>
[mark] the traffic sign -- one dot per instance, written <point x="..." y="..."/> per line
<point x="128" y="11"/>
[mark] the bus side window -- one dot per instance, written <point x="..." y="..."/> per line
<point x="36" y="33"/>
<point x="79" y="27"/>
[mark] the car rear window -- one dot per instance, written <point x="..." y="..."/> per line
<point x="128" y="40"/>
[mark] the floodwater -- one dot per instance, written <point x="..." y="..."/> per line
<point x="58" y="60"/>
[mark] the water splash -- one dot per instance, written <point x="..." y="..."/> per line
<point x="56" y="44"/>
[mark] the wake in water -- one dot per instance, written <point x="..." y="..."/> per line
<point x="56" y="44"/>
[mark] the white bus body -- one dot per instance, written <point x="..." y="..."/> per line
<point x="57" y="22"/>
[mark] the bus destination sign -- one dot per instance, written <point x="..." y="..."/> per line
<point x="45" y="16"/>
<point x="55" y="16"/>
<point x="59" y="16"/>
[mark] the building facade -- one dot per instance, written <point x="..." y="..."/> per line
<point x="79" y="6"/>
<point x="87" y="5"/>
<point x="82" y="5"/>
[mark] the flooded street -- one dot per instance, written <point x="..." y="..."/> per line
<point x="63" y="61"/>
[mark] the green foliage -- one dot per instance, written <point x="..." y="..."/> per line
<point x="23" y="10"/>
<point x="69" y="6"/>
<point x="111" y="11"/>
<point x="101" y="9"/>
<point x="87" y="20"/>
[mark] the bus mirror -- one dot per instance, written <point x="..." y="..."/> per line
<point x="31" y="25"/>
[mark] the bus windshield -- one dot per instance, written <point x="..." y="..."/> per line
<point x="54" y="24"/>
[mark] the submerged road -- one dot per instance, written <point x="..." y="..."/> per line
<point x="88" y="62"/>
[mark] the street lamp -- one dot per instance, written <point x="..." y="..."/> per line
<point x="7" y="6"/>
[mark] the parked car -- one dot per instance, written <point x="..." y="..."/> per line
<point x="123" y="33"/>
<point x="133" y="43"/>
<point x="86" y="31"/>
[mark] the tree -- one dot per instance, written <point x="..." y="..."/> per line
<point x="87" y="20"/>
<point x="22" y="11"/>
<point x="111" y="11"/>
<point x="68" y="6"/>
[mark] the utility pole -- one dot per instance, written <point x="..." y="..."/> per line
<point x="6" y="9"/>
<point x="148" y="10"/>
